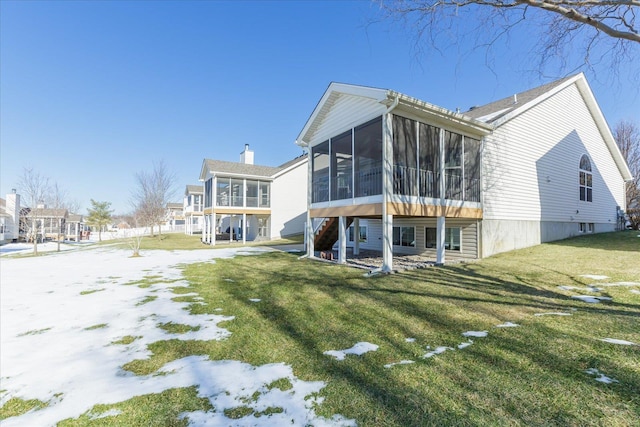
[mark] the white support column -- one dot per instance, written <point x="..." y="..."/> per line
<point x="356" y="236"/>
<point x="387" y="243"/>
<point x="213" y="222"/>
<point x="440" y="240"/>
<point x="441" y="224"/>
<point x="387" y="193"/>
<point x="204" y="228"/>
<point x="244" y="228"/>
<point x="310" y="235"/>
<point x="342" y="240"/>
<point x="212" y="228"/>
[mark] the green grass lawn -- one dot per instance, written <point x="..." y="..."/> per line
<point x="181" y="241"/>
<point x="529" y="375"/>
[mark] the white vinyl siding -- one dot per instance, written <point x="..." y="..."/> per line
<point x="468" y="236"/>
<point x="346" y="112"/>
<point x="531" y="165"/>
<point x="289" y="202"/>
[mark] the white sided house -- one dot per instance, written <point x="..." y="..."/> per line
<point x="10" y="218"/>
<point x="193" y="205"/>
<point x="248" y="202"/>
<point x="415" y="178"/>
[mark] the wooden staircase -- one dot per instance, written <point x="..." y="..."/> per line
<point x="328" y="234"/>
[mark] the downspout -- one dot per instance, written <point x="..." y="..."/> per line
<point x="393" y="105"/>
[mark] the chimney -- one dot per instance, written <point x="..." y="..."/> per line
<point x="246" y="156"/>
<point x="13" y="209"/>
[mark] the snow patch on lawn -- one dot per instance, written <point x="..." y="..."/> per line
<point x="553" y="314"/>
<point x="402" y="362"/>
<point x="358" y="349"/>
<point x="617" y="341"/>
<point x="109" y="413"/>
<point x="594" y="276"/>
<point x="624" y="284"/>
<point x="438" y="350"/>
<point x="508" y="325"/>
<point x="27" y="248"/>
<point x="476" y="334"/>
<point x="590" y="299"/>
<point x="579" y="288"/>
<point x="602" y="377"/>
<point x="65" y="344"/>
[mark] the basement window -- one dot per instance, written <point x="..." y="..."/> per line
<point x="363" y="233"/>
<point x="404" y="236"/>
<point x="451" y="238"/>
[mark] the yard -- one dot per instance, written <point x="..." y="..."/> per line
<point x="548" y="335"/>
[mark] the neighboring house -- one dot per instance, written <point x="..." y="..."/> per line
<point x="50" y="222"/>
<point x="175" y="216"/>
<point x="247" y="202"/>
<point x="193" y="206"/>
<point x="74" y="227"/>
<point x="10" y="218"/>
<point x="535" y="167"/>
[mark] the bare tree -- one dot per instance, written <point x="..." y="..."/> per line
<point x="597" y="30"/>
<point x="627" y="136"/>
<point x="153" y="191"/>
<point x="34" y="188"/>
<point x="134" y="235"/>
<point x="58" y="200"/>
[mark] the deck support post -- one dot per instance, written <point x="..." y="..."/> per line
<point x="356" y="236"/>
<point x="342" y="240"/>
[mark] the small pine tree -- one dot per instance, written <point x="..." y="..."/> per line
<point x="99" y="216"/>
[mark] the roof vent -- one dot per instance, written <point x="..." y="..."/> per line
<point x="473" y="107"/>
<point x="515" y="98"/>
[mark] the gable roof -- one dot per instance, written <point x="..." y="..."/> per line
<point x="387" y="100"/>
<point x="194" y="189"/>
<point x="238" y="169"/>
<point x="75" y="218"/>
<point x="223" y="167"/>
<point x="495" y="110"/>
<point x="502" y="111"/>
<point x="48" y="213"/>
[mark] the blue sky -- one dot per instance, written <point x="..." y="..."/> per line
<point x="92" y="92"/>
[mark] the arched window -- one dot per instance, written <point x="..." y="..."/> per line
<point x="586" y="179"/>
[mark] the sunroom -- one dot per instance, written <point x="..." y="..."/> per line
<point x="396" y="164"/>
<point x="237" y="201"/>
